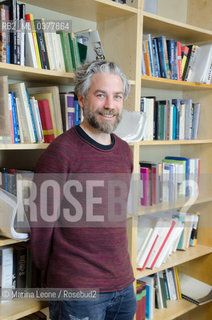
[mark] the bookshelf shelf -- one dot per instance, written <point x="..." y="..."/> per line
<point x="6" y="242"/>
<point x="174" y="29"/>
<point x="17" y="309"/>
<point x="95" y="10"/>
<point x="24" y="73"/>
<point x="174" y="142"/>
<point x="161" y="83"/>
<point x="169" y="206"/>
<point x="23" y="146"/>
<point x="174" y="309"/>
<point x="177" y="258"/>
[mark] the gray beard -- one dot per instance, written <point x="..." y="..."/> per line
<point x="104" y="126"/>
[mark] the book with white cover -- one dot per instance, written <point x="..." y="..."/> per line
<point x="195" y="290"/>
<point x="131" y="127"/>
<point x="93" y="42"/>
<point x="6" y="270"/>
<point x="202" y="64"/>
<point x="20" y="92"/>
<point x="8" y="217"/>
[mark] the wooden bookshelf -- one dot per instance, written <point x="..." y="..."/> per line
<point x="96" y="10"/>
<point x="7" y="242"/>
<point x="121" y="28"/>
<point x="174" y="29"/>
<point x="24" y="73"/>
<point x="20" y="308"/>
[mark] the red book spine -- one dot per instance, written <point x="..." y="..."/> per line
<point x="46" y="120"/>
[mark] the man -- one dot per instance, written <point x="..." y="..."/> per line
<point x="87" y="247"/>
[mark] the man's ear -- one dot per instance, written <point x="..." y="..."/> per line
<point x="81" y="100"/>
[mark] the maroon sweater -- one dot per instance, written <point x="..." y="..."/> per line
<point x="86" y="254"/>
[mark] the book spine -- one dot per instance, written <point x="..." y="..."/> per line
<point x="41" y="44"/>
<point x="15" y="122"/>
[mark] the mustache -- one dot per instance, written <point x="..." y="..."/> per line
<point x="111" y="112"/>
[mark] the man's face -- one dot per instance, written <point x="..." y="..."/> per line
<point x="104" y="102"/>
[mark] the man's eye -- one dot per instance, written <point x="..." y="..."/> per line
<point x="100" y="95"/>
<point x="118" y="97"/>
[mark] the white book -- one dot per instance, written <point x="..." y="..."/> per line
<point x="31" y="59"/>
<point x="155" y="224"/>
<point x="36" y="115"/>
<point x="195" y="290"/>
<point x="182" y="122"/>
<point x="6" y="270"/>
<point x="20" y="91"/>
<point x="202" y="64"/>
<point x="51" y="52"/>
<point x="162" y="233"/>
<point x="60" y="54"/>
<point x="8" y="214"/>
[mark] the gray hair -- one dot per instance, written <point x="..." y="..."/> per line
<point x="83" y="75"/>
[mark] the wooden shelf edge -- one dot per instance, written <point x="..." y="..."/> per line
<point x="176" y="23"/>
<point x="174" y="309"/>
<point x="170" y="142"/>
<point x="20" y="308"/>
<point x="6" y="242"/>
<point x="23" y="146"/>
<point x="154" y="81"/>
<point x="177" y="258"/>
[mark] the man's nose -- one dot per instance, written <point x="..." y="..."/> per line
<point x="109" y="104"/>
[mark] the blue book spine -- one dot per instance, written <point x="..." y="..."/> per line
<point x="162" y="57"/>
<point x="156" y="58"/>
<point x="171" y="56"/>
<point x="77" y="112"/>
<point x="32" y="117"/>
<point x="14" y="116"/>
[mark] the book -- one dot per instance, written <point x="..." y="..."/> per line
<point x="46" y="120"/>
<point x="48" y="96"/>
<point x="56" y="109"/>
<point x="6" y="270"/>
<point x="5" y="125"/>
<point x="41" y="44"/>
<point x="64" y="37"/>
<point x="195" y="290"/>
<point x="93" y="42"/>
<point x="202" y="65"/>
<point x="30" y="18"/>
<point x="31" y="59"/>
<point x="8" y="215"/>
<point x="25" y="114"/>
<point x="150" y="298"/>
<point x="67" y="110"/>
<point x="141" y="300"/>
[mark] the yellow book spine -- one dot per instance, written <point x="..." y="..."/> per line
<point x="35" y="41"/>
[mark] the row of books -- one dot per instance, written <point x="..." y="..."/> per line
<point x="43" y="44"/>
<point x="15" y="267"/>
<point x="174" y="119"/>
<point x="154" y="291"/>
<point x="170" y="180"/>
<point x="159" y="235"/>
<point x="170" y="59"/>
<point x="37" y="114"/>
